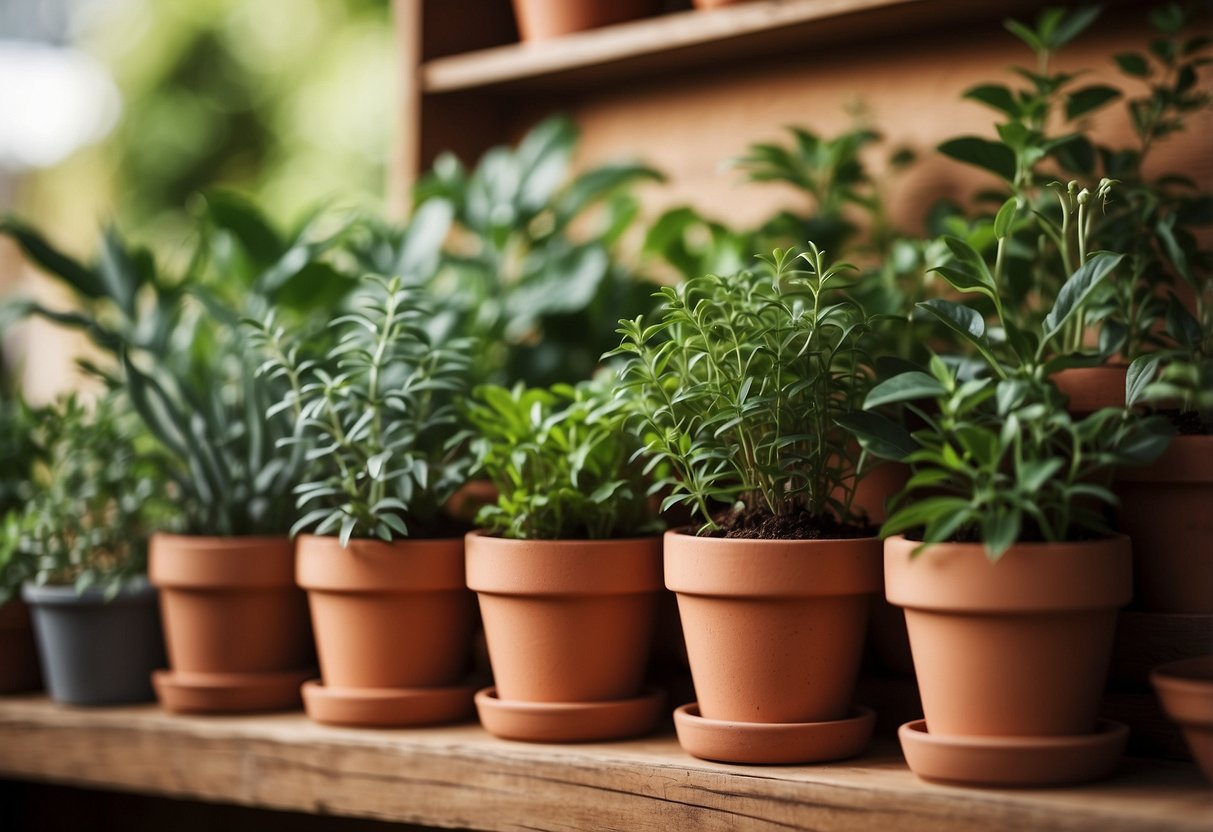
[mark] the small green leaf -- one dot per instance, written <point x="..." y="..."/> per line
<point x="906" y="387"/>
<point x="1132" y="63"/>
<point x="992" y="156"/>
<point x="1077" y="290"/>
<point x="1141" y="372"/>
<point x="1005" y="217"/>
<point x="1089" y="98"/>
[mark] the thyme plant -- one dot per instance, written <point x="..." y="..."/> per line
<point x="739" y="385"/>
<point x="374" y="415"/>
<point x="101" y="493"/>
<point x="562" y="462"/>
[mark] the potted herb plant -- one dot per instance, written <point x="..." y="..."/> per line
<point x="1000" y="553"/>
<point x="376" y="416"/>
<point x="738" y="387"/>
<point x="235" y="622"/>
<point x="567" y="565"/>
<point x="84" y="541"/>
<point x="19" y="456"/>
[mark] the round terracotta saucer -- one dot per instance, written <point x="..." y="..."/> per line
<point x="228" y="693"/>
<point x="773" y="742"/>
<point x="1013" y="761"/>
<point x="386" y="707"/>
<point x="1185" y="688"/>
<point x="616" y="719"/>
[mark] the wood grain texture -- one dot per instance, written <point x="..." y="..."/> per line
<point x="461" y="777"/>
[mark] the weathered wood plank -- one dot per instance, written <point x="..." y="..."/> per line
<point x="461" y="777"/>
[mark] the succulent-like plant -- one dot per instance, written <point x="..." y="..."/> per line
<point x="374" y="416"/>
<point x="101" y="493"/>
<point x="739" y="386"/>
<point x="562" y="462"/>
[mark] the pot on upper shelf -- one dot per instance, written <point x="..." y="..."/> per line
<point x="546" y="19"/>
<point x="1092" y="388"/>
<point x="235" y="623"/>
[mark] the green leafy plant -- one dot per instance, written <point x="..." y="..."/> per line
<point x="21" y="454"/>
<point x="530" y="265"/>
<point x="101" y="493"/>
<point x="1178" y="380"/>
<point x="561" y="461"/>
<point x="739" y="386"/>
<point x="999" y="459"/>
<point x="173" y="340"/>
<point x="374" y="416"/>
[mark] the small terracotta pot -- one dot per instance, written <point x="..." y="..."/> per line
<point x="566" y="620"/>
<point x="716" y="4"/>
<point x="230" y="604"/>
<point x="1092" y="388"/>
<point x="1185" y="689"/>
<point x="774" y="628"/>
<point x="387" y="615"/>
<point x="1014" y="648"/>
<point x="1167" y="511"/>
<point x="543" y="19"/>
<point x="18" y="654"/>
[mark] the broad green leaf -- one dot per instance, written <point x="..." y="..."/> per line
<point x="1077" y="290"/>
<point x="1141" y="372"/>
<point x="992" y="156"/>
<point x="882" y="437"/>
<point x="999" y="530"/>
<point x="1133" y="64"/>
<point x="996" y="96"/>
<point x="1090" y="98"/>
<point x="906" y="387"/>
<point x="1005" y="217"/>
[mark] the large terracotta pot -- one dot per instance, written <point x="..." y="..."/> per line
<point x="387" y="615"/>
<point x="1015" y="648"/>
<point x="1166" y="509"/>
<point x="566" y="620"/>
<point x="18" y="655"/>
<point x="774" y="628"/>
<point x="543" y="19"/>
<point x="235" y="624"/>
<point x="1092" y="388"/>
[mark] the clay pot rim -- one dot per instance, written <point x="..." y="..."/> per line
<point x="959" y="578"/>
<point x="747" y="568"/>
<point x="712" y="540"/>
<point x="239" y="562"/>
<point x="1104" y="728"/>
<point x="588" y="542"/>
<point x="1193" y="676"/>
<point x="375" y="566"/>
<point x="570" y="568"/>
<point x="137" y="590"/>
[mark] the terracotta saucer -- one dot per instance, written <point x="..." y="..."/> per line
<point x="1013" y="761"/>
<point x="1185" y="688"/>
<point x="773" y="742"/>
<point x="569" y="721"/>
<point x="227" y="693"/>
<point x="386" y="707"/>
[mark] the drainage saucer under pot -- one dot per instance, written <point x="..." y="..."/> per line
<point x="614" y="719"/>
<point x="386" y="707"/>
<point x="229" y="693"/>
<point x="1013" y="761"/>
<point x="773" y="742"/>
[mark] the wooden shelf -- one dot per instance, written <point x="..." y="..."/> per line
<point x="460" y="776"/>
<point x="692" y="39"/>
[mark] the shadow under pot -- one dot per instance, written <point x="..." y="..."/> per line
<point x="569" y="626"/>
<point x="96" y="651"/>
<point x="235" y="624"/>
<point x="18" y="655"/>
<point x="393" y="625"/>
<point x="774" y="632"/>
<point x="1011" y="658"/>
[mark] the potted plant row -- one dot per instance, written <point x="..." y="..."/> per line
<point x="19" y="457"/>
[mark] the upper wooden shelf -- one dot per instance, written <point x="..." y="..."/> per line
<point x="460" y="776"/>
<point x="690" y="39"/>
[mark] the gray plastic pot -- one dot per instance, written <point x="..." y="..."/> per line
<point x="93" y="651"/>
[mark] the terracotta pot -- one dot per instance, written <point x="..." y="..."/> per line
<point x="879" y="484"/>
<point x="1186" y="691"/>
<point x="18" y="655"/>
<point x="543" y="19"/>
<point x="716" y="4"/>
<point x="1014" y="648"/>
<point x="387" y="615"/>
<point x="1092" y="388"/>
<point x="774" y="628"/>
<point x="566" y="620"/>
<point x="230" y="604"/>
<point x="1167" y="511"/>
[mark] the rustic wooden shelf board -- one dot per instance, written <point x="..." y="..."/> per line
<point x="460" y="776"/>
<point x="694" y="39"/>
